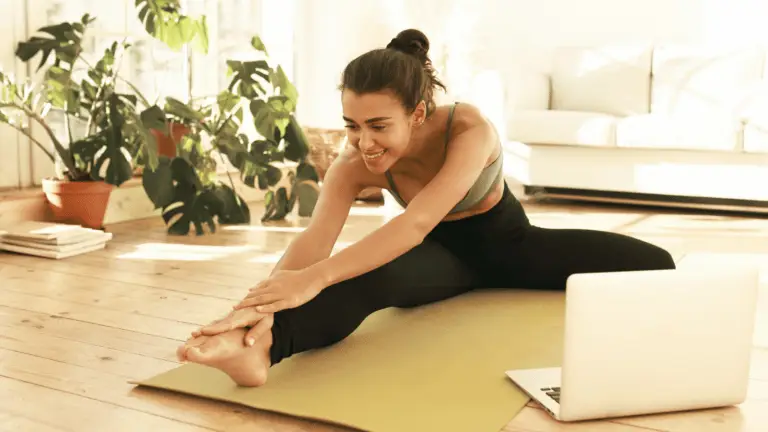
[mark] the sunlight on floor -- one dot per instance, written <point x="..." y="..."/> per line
<point x="257" y="228"/>
<point x="273" y="258"/>
<point x="180" y="252"/>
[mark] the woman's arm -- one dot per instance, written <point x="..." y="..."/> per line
<point x="467" y="155"/>
<point x="341" y="186"/>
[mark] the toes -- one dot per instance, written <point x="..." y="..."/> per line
<point x="198" y="341"/>
<point x="201" y="354"/>
<point x="181" y="352"/>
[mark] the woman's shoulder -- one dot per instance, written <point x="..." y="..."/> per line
<point x="462" y="116"/>
<point x="466" y="117"/>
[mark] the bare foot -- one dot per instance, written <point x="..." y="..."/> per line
<point x="246" y="365"/>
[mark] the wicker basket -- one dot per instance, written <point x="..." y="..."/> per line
<point x="324" y="147"/>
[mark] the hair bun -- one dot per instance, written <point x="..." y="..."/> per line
<point x="412" y="42"/>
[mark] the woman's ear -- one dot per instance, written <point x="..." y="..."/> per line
<point x="420" y="113"/>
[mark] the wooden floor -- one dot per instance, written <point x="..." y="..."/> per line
<point x="73" y="332"/>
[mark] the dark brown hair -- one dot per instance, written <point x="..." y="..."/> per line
<point x="403" y="67"/>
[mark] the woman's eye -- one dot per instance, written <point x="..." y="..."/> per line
<point x="378" y="127"/>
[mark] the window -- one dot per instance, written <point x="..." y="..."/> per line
<point x="156" y="70"/>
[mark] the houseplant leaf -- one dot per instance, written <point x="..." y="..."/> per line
<point x="248" y="78"/>
<point x="234" y="210"/>
<point x="296" y="142"/>
<point x="277" y="205"/>
<point x="118" y="166"/>
<point x="305" y="171"/>
<point x="164" y="21"/>
<point x="308" y="193"/>
<point x="280" y="81"/>
<point x="158" y="183"/>
<point x="192" y="205"/>
<point x="268" y="120"/>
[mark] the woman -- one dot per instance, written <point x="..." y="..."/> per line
<point x="461" y="229"/>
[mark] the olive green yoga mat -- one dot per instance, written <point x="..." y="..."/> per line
<point x="438" y="367"/>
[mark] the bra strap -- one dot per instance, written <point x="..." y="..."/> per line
<point x="448" y="124"/>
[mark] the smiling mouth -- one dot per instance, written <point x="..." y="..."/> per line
<point x="371" y="156"/>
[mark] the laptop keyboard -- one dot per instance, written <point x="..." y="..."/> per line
<point x="553" y="392"/>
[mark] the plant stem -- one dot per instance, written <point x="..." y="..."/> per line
<point x="68" y="162"/>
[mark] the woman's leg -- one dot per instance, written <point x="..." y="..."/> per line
<point x="426" y="274"/>
<point x="543" y="258"/>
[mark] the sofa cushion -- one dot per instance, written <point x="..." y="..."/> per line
<point x="686" y="133"/>
<point x="562" y="127"/>
<point x="611" y="80"/>
<point x="694" y="80"/>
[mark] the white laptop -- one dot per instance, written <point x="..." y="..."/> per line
<point x="646" y="342"/>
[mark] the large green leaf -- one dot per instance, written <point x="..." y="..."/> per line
<point x="269" y="121"/>
<point x="305" y="171"/>
<point x="62" y="92"/>
<point x="296" y="142"/>
<point x="182" y="111"/>
<point x="248" y="78"/>
<point x="276" y="205"/>
<point x="235" y="210"/>
<point x="308" y="193"/>
<point x="271" y="176"/>
<point x="280" y="81"/>
<point x="119" y="167"/>
<point x="191" y="208"/>
<point x="163" y="20"/>
<point x="158" y="183"/>
<point x="63" y="40"/>
<point x="192" y="205"/>
<point x="258" y="45"/>
<point x="264" y="151"/>
<point x="84" y="151"/>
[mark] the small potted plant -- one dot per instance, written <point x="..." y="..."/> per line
<point x="104" y="130"/>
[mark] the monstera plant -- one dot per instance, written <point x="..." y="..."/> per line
<point x="104" y="129"/>
<point x="185" y="185"/>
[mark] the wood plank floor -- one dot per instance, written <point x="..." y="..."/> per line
<point x="73" y="332"/>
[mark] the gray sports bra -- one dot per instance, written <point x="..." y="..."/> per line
<point x="485" y="183"/>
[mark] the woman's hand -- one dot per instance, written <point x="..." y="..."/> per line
<point x="285" y="289"/>
<point x="260" y="323"/>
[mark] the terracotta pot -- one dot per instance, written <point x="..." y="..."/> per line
<point x="166" y="145"/>
<point x="83" y="203"/>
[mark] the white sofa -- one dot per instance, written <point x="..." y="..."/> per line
<point x="671" y="125"/>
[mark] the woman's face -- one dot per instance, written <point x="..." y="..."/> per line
<point x="379" y="127"/>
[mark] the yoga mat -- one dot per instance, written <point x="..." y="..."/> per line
<point x="438" y="367"/>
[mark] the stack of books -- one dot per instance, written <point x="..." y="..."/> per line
<point x="52" y="240"/>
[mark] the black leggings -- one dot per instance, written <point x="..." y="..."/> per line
<point x="496" y="249"/>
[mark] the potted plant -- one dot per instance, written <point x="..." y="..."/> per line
<point x="104" y="130"/>
<point x="185" y="186"/>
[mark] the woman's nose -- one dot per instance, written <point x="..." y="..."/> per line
<point x="365" y="143"/>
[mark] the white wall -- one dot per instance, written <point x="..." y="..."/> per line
<point x="15" y="153"/>
<point x="499" y="34"/>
